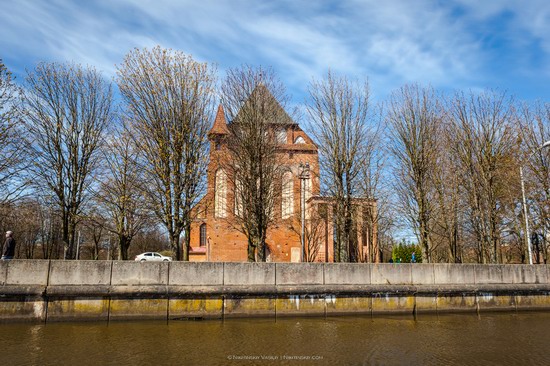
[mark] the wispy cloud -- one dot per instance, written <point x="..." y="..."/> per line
<point x="455" y="44"/>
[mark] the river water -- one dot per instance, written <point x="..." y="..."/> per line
<point x="465" y="339"/>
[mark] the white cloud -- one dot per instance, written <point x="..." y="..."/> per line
<point x="392" y="42"/>
<point x="528" y="23"/>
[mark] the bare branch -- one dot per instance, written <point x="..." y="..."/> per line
<point x="169" y="101"/>
<point x="67" y="109"/>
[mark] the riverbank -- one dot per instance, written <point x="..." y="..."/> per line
<point x="43" y="290"/>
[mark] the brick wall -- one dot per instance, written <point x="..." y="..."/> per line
<point x="225" y="241"/>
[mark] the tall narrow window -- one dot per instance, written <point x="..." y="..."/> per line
<point x="203" y="235"/>
<point x="281" y="136"/>
<point x="267" y="254"/>
<point x="287" y="196"/>
<point x="238" y="197"/>
<point x="307" y="195"/>
<point x="220" y="195"/>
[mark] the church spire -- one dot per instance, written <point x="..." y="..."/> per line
<point x="220" y="124"/>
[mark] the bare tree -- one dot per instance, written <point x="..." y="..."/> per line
<point x="67" y="110"/>
<point x="12" y="146"/>
<point x="169" y="100"/>
<point x="254" y="99"/>
<point x="448" y="199"/>
<point x="381" y="214"/>
<point x="28" y="227"/>
<point x="50" y="229"/>
<point x="376" y="215"/>
<point x="338" y="111"/>
<point x="448" y="209"/>
<point x="120" y="192"/>
<point x="21" y="216"/>
<point x="150" y="239"/>
<point x="314" y="231"/>
<point x="485" y="146"/>
<point x="93" y="230"/>
<point x="535" y="131"/>
<point x="414" y="117"/>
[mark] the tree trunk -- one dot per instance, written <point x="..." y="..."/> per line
<point x="260" y="249"/>
<point x="187" y="242"/>
<point x="175" y="245"/>
<point x="123" y="245"/>
<point x="251" y="250"/>
<point x="65" y="236"/>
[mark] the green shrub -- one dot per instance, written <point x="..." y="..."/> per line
<point x="403" y="253"/>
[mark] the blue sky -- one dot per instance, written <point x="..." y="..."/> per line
<point x="460" y="44"/>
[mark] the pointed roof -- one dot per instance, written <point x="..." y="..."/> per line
<point x="261" y="92"/>
<point x="220" y="124"/>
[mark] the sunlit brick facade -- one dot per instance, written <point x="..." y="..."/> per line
<point x="215" y="234"/>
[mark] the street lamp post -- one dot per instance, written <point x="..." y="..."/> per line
<point x="303" y="176"/>
<point x="525" y="214"/>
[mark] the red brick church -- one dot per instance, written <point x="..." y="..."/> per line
<point x="215" y="235"/>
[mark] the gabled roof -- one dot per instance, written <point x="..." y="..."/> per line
<point x="220" y="124"/>
<point x="282" y="118"/>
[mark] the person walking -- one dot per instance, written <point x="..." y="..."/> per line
<point x="9" y="246"/>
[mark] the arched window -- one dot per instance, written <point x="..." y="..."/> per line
<point x="299" y="140"/>
<point x="220" y="194"/>
<point x="203" y="235"/>
<point x="287" y="201"/>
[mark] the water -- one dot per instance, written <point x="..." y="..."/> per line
<point x="488" y="339"/>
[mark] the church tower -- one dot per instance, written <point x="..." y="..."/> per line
<point x="216" y="234"/>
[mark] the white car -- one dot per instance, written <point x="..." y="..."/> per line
<point x="152" y="257"/>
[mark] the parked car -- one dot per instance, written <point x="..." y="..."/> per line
<point x="152" y="257"/>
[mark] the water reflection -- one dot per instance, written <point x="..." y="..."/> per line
<point x="503" y="339"/>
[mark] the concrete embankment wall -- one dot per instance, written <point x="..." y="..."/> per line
<point x="42" y="290"/>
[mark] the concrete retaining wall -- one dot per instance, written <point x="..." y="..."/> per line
<point x="42" y="290"/>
